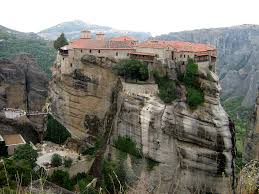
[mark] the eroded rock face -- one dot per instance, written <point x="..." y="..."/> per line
<point x="194" y="148"/>
<point x="82" y="99"/>
<point x="23" y="85"/>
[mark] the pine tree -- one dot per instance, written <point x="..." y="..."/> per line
<point x="61" y="41"/>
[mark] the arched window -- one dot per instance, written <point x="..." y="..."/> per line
<point x="81" y="50"/>
<point x="99" y="51"/>
<point x="90" y="51"/>
<point x="117" y="53"/>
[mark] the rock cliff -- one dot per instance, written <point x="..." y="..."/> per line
<point x="186" y="143"/>
<point x="23" y="86"/>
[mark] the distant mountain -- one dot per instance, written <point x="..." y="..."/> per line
<point x="73" y="28"/>
<point x="13" y="42"/>
<point x="238" y="59"/>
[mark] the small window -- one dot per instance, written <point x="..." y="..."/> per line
<point x="81" y="50"/>
<point x="181" y="55"/>
<point x="90" y="51"/>
<point x="71" y="64"/>
<point x="184" y="56"/>
<point x="99" y="51"/>
<point x="63" y="59"/>
<point x="117" y="53"/>
<point x="127" y="54"/>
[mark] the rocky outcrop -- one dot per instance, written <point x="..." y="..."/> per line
<point x="92" y="102"/>
<point x="82" y="99"/>
<point x="251" y="148"/>
<point x="187" y="144"/>
<point x="23" y="86"/>
<point x="237" y="61"/>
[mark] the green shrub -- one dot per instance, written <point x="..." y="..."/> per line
<point x="68" y="162"/>
<point x="131" y="69"/>
<point x="82" y="184"/>
<point x="114" y="176"/>
<point x="21" y="169"/>
<point x="195" y="97"/>
<point x="25" y="152"/>
<point x="92" y="150"/>
<point x="127" y="145"/>
<point x="62" y="179"/>
<point x="56" y="132"/>
<point x="166" y="88"/>
<point x="56" y="160"/>
<point x="151" y="164"/>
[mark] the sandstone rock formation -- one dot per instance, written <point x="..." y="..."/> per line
<point x="23" y="86"/>
<point x="82" y="99"/>
<point x="194" y="148"/>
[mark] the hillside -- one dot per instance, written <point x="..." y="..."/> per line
<point x="72" y="29"/>
<point x="237" y="63"/>
<point x="13" y="42"/>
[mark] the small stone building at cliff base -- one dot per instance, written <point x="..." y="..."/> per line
<point x="10" y="142"/>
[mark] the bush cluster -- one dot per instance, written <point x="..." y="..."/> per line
<point x="127" y="145"/>
<point x="195" y="95"/>
<point x="114" y="176"/>
<point x="56" y="132"/>
<point x="131" y="69"/>
<point x="166" y="88"/>
<point x="81" y="180"/>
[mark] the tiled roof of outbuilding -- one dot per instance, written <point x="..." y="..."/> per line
<point x="176" y="45"/>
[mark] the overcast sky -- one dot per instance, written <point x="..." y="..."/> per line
<point x="155" y="16"/>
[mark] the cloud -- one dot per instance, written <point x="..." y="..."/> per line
<point x="155" y="16"/>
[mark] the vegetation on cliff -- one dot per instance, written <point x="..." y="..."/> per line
<point x="195" y="95"/>
<point x="166" y="88"/>
<point x="131" y="69"/>
<point x="56" y="132"/>
<point x="127" y="145"/>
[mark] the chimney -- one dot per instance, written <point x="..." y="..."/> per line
<point x="99" y="36"/>
<point x="85" y="34"/>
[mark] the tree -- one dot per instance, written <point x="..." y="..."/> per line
<point x="62" y="179"/>
<point x="56" y="132"/>
<point x="26" y="152"/>
<point x="68" y="162"/>
<point x="56" y="160"/>
<point x="61" y="41"/>
<point x="132" y="69"/>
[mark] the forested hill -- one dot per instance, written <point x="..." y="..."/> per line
<point x="237" y="62"/>
<point x="13" y="42"/>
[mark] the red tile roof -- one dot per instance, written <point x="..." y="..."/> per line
<point x="176" y="45"/>
<point x="99" y="44"/>
<point x="87" y="44"/>
<point x="123" y="38"/>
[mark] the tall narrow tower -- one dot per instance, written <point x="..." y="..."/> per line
<point x="85" y="34"/>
